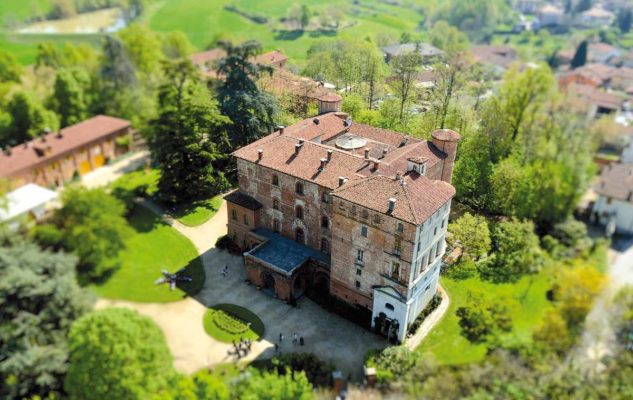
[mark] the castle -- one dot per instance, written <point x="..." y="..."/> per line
<point x="348" y="209"/>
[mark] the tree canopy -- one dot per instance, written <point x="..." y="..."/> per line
<point x="116" y="353"/>
<point x="41" y="299"/>
<point x="474" y="235"/>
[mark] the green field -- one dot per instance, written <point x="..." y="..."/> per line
<point x="155" y="246"/>
<point x="199" y="212"/>
<point x="446" y="343"/>
<point x="204" y="20"/>
<point x="231" y="323"/>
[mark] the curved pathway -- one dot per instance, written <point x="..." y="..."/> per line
<point x="430" y="321"/>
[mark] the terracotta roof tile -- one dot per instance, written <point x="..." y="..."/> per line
<point x="417" y="197"/>
<point x="53" y="145"/>
<point x="616" y="181"/>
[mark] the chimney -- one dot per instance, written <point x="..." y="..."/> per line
<point x="323" y="162"/>
<point x="281" y="129"/>
<point x="398" y="176"/>
<point x="366" y="153"/>
<point x="316" y="121"/>
<point x="260" y="154"/>
<point x="446" y="141"/>
<point x="297" y="148"/>
<point x="404" y="142"/>
<point x="392" y="205"/>
<point x="301" y="141"/>
<point x="384" y="153"/>
<point x="329" y="155"/>
<point x="376" y="165"/>
<point x="341" y="180"/>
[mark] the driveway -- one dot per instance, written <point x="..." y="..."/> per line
<point x="598" y="338"/>
<point x="108" y="173"/>
<point x="329" y="336"/>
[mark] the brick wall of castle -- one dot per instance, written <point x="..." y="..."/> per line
<point x="352" y="279"/>
<point x="257" y="182"/>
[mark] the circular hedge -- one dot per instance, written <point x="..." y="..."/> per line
<point x="229" y="322"/>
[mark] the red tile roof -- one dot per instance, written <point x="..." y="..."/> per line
<point x="207" y="57"/>
<point x="53" y="145"/>
<point x="616" y="181"/>
<point x="272" y="57"/>
<point x="279" y="154"/>
<point x="417" y="197"/>
<point x="597" y="97"/>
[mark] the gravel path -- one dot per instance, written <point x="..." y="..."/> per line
<point x="598" y="338"/>
<point x="429" y="323"/>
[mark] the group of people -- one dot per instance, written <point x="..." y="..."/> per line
<point x="296" y="339"/>
<point x="241" y="348"/>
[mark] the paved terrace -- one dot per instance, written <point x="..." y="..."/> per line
<point x="329" y="336"/>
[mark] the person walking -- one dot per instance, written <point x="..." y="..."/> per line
<point x="281" y="338"/>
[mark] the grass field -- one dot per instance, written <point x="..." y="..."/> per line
<point x="229" y="322"/>
<point x="155" y="246"/>
<point x="445" y="341"/>
<point x="203" y="20"/>
<point x="199" y="212"/>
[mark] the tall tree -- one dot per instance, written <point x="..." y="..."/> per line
<point x="93" y="227"/>
<point x="474" y="235"/>
<point x="116" y="353"/>
<point x="482" y="318"/>
<point x="625" y="18"/>
<point x="405" y="69"/>
<point x="518" y="252"/>
<point x="40" y="300"/>
<point x="305" y="17"/>
<point x="117" y="72"/>
<point x="143" y="47"/>
<point x="10" y="68"/>
<point x="69" y="97"/>
<point x="251" y="111"/>
<point x="189" y="141"/>
<point x="580" y="57"/>
<point x="29" y="119"/>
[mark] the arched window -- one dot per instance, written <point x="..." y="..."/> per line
<point x="276" y="227"/>
<point x="275" y="180"/>
<point x="389" y="306"/>
<point x="325" y="246"/>
<point x="299" y="188"/>
<point x="299" y="212"/>
<point x="276" y="204"/>
<point x="299" y="236"/>
<point x="325" y="222"/>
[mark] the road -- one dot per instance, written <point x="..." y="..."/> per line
<point x="598" y="339"/>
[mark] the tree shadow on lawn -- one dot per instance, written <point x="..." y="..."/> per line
<point x="288" y="35"/>
<point x="184" y="209"/>
<point x="195" y="270"/>
<point x="143" y="220"/>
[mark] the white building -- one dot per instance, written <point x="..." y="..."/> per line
<point x="597" y="17"/>
<point x="549" y="15"/>
<point x="615" y="194"/>
<point x="26" y="203"/>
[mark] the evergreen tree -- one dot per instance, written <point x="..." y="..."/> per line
<point x="625" y="17"/>
<point x="189" y="141"/>
<point x="305" y="16"/>
<point x="116" y="353"/>
<point x="251" y="111"/>
<point x="580" y="57"/>
<point x="40" y="300"/>
<point x="69" y="96"/>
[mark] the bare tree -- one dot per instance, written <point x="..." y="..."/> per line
<point x="405" y="68"/>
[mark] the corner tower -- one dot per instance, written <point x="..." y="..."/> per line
<point x="446" y="141"/>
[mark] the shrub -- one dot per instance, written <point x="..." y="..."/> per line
<point x="433" y="304"/>
<point x="135" y="184"/>
<point x="47" y="236"/>
<point x="318" y="372"/>
<point x="464" y="269"/>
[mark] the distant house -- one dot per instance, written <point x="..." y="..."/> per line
<point x="429" y="53"/>
<point x="602" y="53"/>
<point x="26" y="203"/>
<point x="598" y="103"/>
<point x="527" y="6"/>
<point x="622" y="79"/>
<point x="549" y="15"/>
<point x="498" y="57"/>
<point x="206" y="61"/>
<point x="615" y="194"/>
<point x="283" y="82"/>
<point x="597" y="17"/>
<point x="58" y="157"/>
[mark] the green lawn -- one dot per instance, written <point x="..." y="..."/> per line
<point x="229" y="322"/>
<point x="445" y="341"/>
<point x="154" y="246"/>
<point x="198" y="212"/>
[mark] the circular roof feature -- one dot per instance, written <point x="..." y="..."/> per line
<point x="350" y="142"/>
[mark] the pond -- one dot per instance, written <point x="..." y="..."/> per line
<point x="106" y="20"/>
